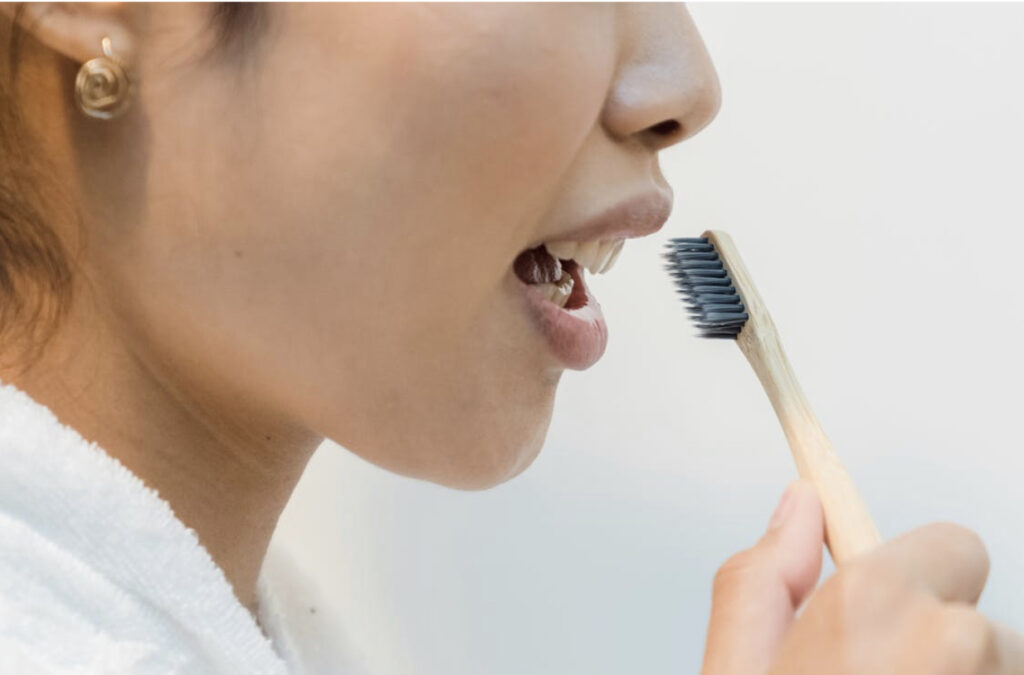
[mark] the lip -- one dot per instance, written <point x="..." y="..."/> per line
<point x="637" y="216"/>
<point x="578" y="337"/>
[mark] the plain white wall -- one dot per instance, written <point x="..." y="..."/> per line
<point x="868" y="163"/>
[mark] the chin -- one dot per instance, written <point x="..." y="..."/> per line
<point x="521" y="457"/>
<point x="471" y="442"/>
<point x="499" y="451"/>
<point x="513" y="460"/>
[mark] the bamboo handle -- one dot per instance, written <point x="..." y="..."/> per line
<point x="849" y="530"/>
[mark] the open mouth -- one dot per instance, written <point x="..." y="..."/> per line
<point x="555" y="270"/>
<point x="563" y="308"/>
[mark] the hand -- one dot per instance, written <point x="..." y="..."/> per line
<point x="906" y="607"/>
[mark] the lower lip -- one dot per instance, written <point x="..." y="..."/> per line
<point x="576" y="337"/>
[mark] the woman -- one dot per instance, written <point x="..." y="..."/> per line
<point x="228" y="232"/>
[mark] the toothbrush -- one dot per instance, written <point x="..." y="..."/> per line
<point x="723" y="303"/>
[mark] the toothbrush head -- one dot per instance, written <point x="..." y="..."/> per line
<point x="707" y="289"/>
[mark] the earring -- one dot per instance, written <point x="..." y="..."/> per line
<point x="103" y="88"/>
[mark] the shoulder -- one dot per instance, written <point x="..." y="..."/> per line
<point x="45" y="593"/>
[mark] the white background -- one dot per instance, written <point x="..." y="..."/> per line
<point x="868" y="163"/>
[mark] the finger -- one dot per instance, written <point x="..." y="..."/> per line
<point x="1008" y="651"/>
<point x="799" y="548"/>
<point x="964" y="641"/>
<point x="948" y="560"/>
<point x="757" y="591"/>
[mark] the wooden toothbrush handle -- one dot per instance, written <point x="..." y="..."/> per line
<point x="849" y="529"/>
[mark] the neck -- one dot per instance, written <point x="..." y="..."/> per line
<point x="225" y="466"/>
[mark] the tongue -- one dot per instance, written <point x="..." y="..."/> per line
<point x="537" y="266"/>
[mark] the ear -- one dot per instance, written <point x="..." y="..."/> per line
<point x="76" y="29"/>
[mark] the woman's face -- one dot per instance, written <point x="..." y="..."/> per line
<point x="327" y="227"/>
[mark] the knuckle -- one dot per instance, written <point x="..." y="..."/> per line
<point x="976" y="546"/>
<point x="963" y="539"/>
<point x="959" y="640"/>
<point x="968" y="641"/>
<point x="747" y="566"/>
<point x="941" y="639"/>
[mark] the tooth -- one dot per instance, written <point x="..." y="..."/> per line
<point x="586" y="254"/>
<point x="561" y="297"/>
<point x="557" y="292"/>
<point x="557" y="267"/>
<point x="615" y="256"/>
<point x="554" y="292"/>
<point x="566" y="282"/>
<point x="562" y="249"/>
<point x="563" y="289"/>
<point x="607" y="251"/>
<point x="546" y="290"/>
<point x="604" y="254"/>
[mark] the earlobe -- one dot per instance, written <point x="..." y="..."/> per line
<point x="76" y="29"/>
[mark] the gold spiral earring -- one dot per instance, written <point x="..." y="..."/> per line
<point x="103" y="88"/>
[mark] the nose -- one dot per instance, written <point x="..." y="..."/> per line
<point x="666" y="88"/>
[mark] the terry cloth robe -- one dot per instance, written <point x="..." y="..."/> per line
<point x="97" y="575"/>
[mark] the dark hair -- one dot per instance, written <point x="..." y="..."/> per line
<point x="35" y="269"/>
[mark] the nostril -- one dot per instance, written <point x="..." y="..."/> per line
<point x="666" y="128"/>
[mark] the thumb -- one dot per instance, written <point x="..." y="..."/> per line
<point x="757" y="591"/>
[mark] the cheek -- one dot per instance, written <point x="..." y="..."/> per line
<point x="430" y="140"/>
<point x="377" y="185"/>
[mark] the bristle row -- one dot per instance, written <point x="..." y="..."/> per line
<point x="708" y="292"/>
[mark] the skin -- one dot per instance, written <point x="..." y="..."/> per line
<point x="316" y="241"/>
<point x="907" y="607"/>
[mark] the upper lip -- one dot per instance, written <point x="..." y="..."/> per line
<point x="636" y="216"/>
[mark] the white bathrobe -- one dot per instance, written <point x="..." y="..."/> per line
<point x="97" y="575"/>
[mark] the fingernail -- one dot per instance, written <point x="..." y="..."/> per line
<point x="782" y="510"/>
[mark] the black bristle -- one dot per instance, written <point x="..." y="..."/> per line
<point x="707" y="290"/>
